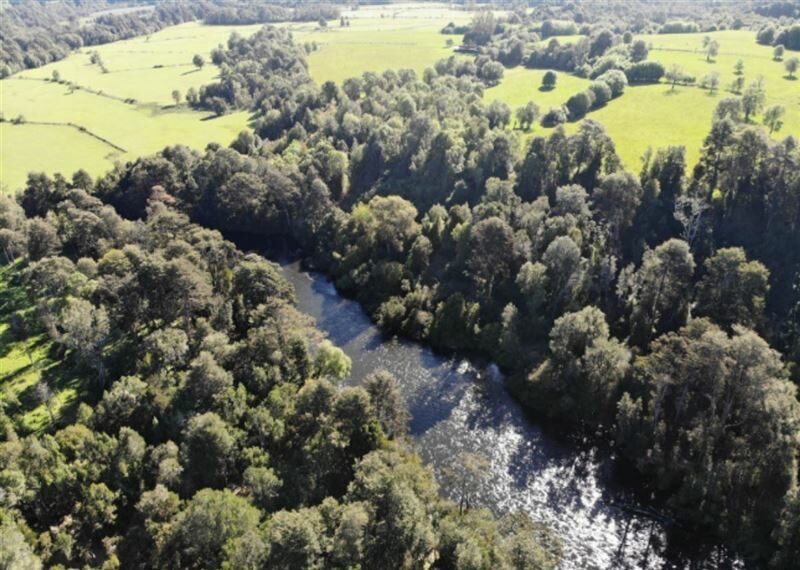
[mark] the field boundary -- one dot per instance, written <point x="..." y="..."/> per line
<point x="78" y="87"/>
<point x="80" y="128"/>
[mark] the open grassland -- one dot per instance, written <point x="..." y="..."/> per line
<point x="398" y="36"/>
<point x="131" y="64"/>
<point x="655" y="116"/>
<point x="144" y="127"/>
<point x="24" y="363"/>
<point x="521" y="85"/>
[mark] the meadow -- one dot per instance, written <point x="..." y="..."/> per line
<point x="380" y="38"/>
<point x="146" y="70"/>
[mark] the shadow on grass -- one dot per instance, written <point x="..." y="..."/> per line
<point x="59" y="377"/>
<point x="790" y="77"/>
<point x="545" y="89"/>
<point x="190" y="72"/>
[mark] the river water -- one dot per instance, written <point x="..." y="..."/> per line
<point x="459" y="406"/>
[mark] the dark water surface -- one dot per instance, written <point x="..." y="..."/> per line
<point x="459" y="406"/>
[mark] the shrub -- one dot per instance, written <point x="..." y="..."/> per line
<point x="616" y="81"/>
<point x="601" y="92"/>
<point x="579" y="104"/>
<point x="645" y="72"/>
<point x="554" y="117"/>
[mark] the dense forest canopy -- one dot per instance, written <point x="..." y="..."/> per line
<point x="217" y="435"/>
<point x="660" y="308"/>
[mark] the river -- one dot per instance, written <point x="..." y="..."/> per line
<point x="458" y="406"/>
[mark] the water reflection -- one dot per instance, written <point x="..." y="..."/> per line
<point x="457" y="408"/>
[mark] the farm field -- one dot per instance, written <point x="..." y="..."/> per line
<point x="140" y="128"/>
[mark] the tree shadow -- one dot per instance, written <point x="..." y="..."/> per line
<point x="190" y="72"/>
<point x="790" y="77"/>
<point x="545" y="88"/>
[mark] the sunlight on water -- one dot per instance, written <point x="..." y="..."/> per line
<point x="458" y="407"/>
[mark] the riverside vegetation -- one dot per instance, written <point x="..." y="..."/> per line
<point x="660" y="307"/>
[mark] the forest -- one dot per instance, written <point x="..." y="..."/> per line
<point x="658" y="308"/>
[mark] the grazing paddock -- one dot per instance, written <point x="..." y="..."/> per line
<point x="143" y="127"/>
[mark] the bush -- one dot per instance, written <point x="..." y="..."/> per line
<point x="601" y="92"/>
<point x="579" y="104"/>
<point x="616" y="81"/>
<point x="679" y="28"/>
<point x="645" y="72"/>
<point x="554" y="117"/>
<point x="549" y="80"/>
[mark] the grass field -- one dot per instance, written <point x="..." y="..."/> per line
<point x="520" y="85"/>
<point x="380" y="38"/>
<point x="23" y="363"/>
<point x="142" y="128"/>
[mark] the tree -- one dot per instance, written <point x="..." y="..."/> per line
<point x="85" y="330"/>
<point x="712" y="414"/>
<point x="527" y="115"/>
<point x="491" y="253"/>
<point x="791" y="66"/>
<point x="331" y="361"/>
<point x="176" y="96"/>
<point x="263" y="485"/>
<point x="711" y="48"/>
<point x="293" y="540"/>
<point x="738" y="69"/>
<point x="616" y="201"/>
<point x="43" y="239"/>
<point x="15" y="552"/>
<point x="56" y="76"/>
<point x="658" y="292"/>
<point x="198" y="61"/>
<point x="580" y="378"/>
<point x="579" y="104"/>
<point x="675" y="75"/>
<point x="205" y="381"/>
<point x="549" y="80"/>
<point x="388" y="402"/>
<point x="753" y="99"/>
<point x="207" y="450"/>
<point x="733" y="289"/>
<point x="389" y="221"/>
<point x="710" y="81"/>
<point x="464" y="477"/>
<point x="777" y="53"/>
<point x="638" y="51"/>
<point x="210" y="524"/>
<point x="773" y="118"/>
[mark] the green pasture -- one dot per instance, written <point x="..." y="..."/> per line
<point x="521" y="85"/>
<point x="131" y="64"/>
<point x="397" y="36"/>
<point x="144" y="127"/>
